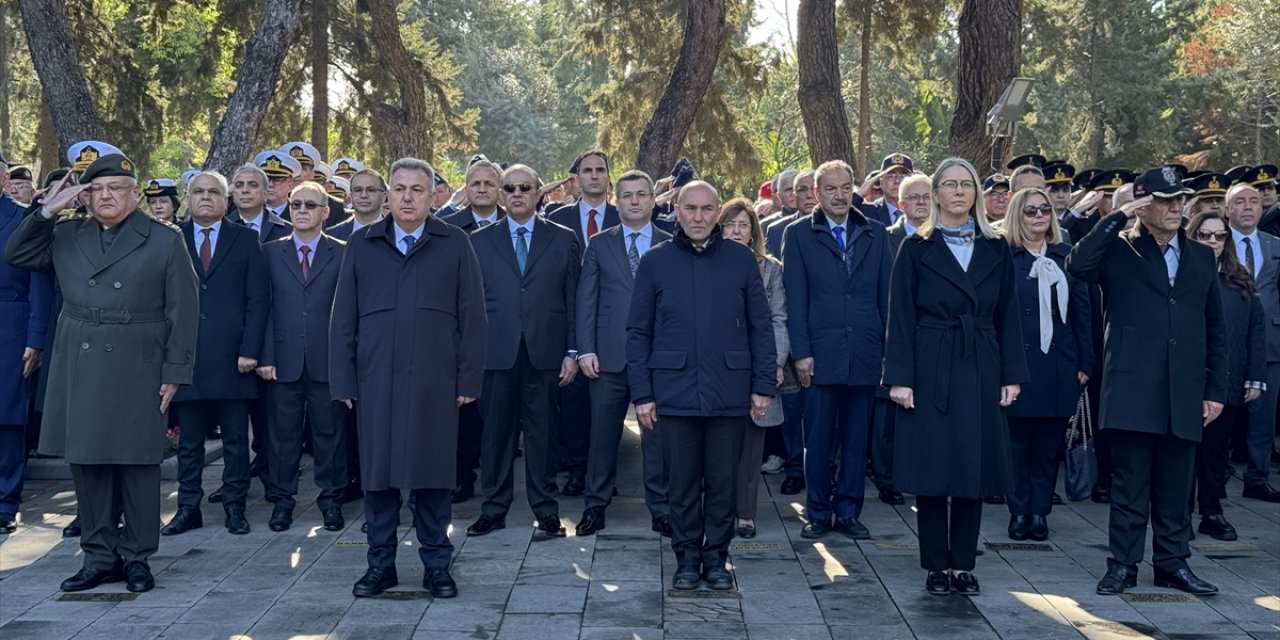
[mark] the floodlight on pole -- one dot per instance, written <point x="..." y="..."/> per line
<point x="1003" y="117"/>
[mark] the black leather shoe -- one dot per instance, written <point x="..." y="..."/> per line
<point x="1262" y="492"/>
<point x="746" y="531"/>
<point x="816" y="529"/>
<point x="138" y="578"/>
<point x="852" y="528"/>
<point x="686" y="578"/>
<point x="1019" y="527"/>
<point x="1185" y="581"/>
<point x="281" y="518"/>
<point x="236" y="522"/>
<point x="938" y="583"/>
<point x="486" y="524"/>
<point x="1119" y="577"/>
<point x="719" y="579"/>
<point x="573" y="487"/>
<point x="463" y="493"/>
<point x="375" y="581"/>
<point x="90" y="578"/>
<point x="792" y="485"/>
<point x="1056" y="499"/>
<point x="440" y="583"/>
<point x="186" y="519"/>
<point x="592" y="521"/>
<point x="1217" y="527"/>
<point x="8" y="522"/>
<point x="364" y="527"/>
<point x="963" y="583"/>
<point x="993" y="499"/>
<point x="663" y="526"/>
<point x="1101" y="495"/>
<point x="551" y="526"/>
<point x="333" y="520"/>
<point x="892" y="497"/>
<point x="216" y="496"/>
<point x="1039" y="528"/>
<point x="72" y="530"/>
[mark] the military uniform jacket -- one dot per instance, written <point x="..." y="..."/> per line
<point x="128" y="324"/>
<point x="25" y="300"/>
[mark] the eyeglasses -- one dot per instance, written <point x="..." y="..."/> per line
<point x="115" y="189"/>
<point x="1035" y="212"/>
<point x="734" y="226"/>
<point x="1212" y="236"/>
<point x="304" y="204"/>
<point x="919" y="198"/>
<point x="511" y="188"/>
<point x="999" y="195"/>
<point x="958" y="185"/>
<point x="363" y="190"/>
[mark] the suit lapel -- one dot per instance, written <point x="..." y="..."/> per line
<point x="818" y="225"/>
<point x="325" y="251"/>
<point x="87" y="240"/>
<point x="1150" y="252"/>
<point x="226" y="240"/>
<point x="940" y="259"/>
<point x="983" y="262"/>
<point x="863" y="242"/>
<point x="619" y="249"/>
<point x="542" y="229"/>
<point x="290" y="256"/>
<point x="133" y="232"/>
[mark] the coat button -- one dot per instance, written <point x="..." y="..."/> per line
<point x="84" y="345"/>
<point x="204" y="286"/>
<point x="203" y="317"/>
<point x="1173" y="342"/>
<point x="93" y="283"/>
<point x="116" y="285"/>
<point x="1172" y="301"/>
<point x="107" y="348"/>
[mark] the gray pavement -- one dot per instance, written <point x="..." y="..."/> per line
<point x="515" y="584"/>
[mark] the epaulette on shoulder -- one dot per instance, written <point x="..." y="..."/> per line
<point x="167" y="225"/>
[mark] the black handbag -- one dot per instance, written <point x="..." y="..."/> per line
<point x="1082" y="459"/>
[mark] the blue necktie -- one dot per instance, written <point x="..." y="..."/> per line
<point x="408" y="243"/>
<point x="522" y="248"/>
<point x="839" y="231"/>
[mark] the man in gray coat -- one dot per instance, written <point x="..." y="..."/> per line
<point x="125" y="341"/>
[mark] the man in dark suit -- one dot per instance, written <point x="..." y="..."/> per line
<point x="368" y="192"/>
<point x="783" y="193"/>
<point x="235" y="298"/>
<point x="304" y="274"/>
<point x="802" y="189"/>
<point x="893" y="170"/>
<point x="530" y="270"/>
<point x="700" y="357"/>
<point x="604" y="296"/>
<point x="836" y="313"/>
<point x="591" y="214"/>
<point x="1164" y="377"/>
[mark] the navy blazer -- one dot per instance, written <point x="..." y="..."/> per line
<point x="568" y="216"/>
<point x="1246" y="340"/>
<point x="773" y="234"/>
<point x="700" y="332"/>
<point x="466" y="219"/>
<point x="836" y="315"/>
<point x="273" y="226"/>
<point x="297" y="337"/>
<point x="26" y="298"/>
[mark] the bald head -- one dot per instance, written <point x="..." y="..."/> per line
<point x="696" y="210"/>
<point x="1244" y="207"/>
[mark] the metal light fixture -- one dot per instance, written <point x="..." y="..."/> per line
<point x="1003" y="117"/>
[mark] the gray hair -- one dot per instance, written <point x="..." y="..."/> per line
<point x="221" y="180"/>
<point x="414" y="164"/>
<point x="254" y="169"/>
<point x="537" y="182"/>
<point x="800" y="175"/>
<point x="784" y="177"/>
<point x="484" y="164"/>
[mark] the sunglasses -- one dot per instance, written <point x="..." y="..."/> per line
<point x="511" y="188"/>
<point x="1217" y="236"/>
<point x="302" y="204"/>
<point x="1035" y="212"/>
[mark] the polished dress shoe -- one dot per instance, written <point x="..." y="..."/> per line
<point x="551" y="526"/>
<point x="1262" y="492"/>
<point x="8" y="522"/>
<point x="1039" y="528"/>
<point x="216" y="496"/>
<point x="792" y="485"/>
<point x="816" y="529"/>
<point x="852" y="528"/>
<point x="138" y="578"/>
<point x="892" y="497"/>
<point x="662" y="525"/>
<point x="364" y="527"/>
<point x="1101" y="495"/>
<point x="719" y="579"/>
<point x="1118" y="578"/>
<point x="486" y="524"/>
<point x="281" y="518"/>
<point x="1185" y="581"/>
<point x="186" y="519"/>
<point x="745" y="530"/>
<point x="993" y="499"/>
<point x="375" y="581"/>
<point x="72" y="530"/>
<point x="333" y="520"/>
<point x="1217" y="527"/>
<point x="937" y="583"/>
<point x="963" y="583"/>
<point x="573" y="487"/>
<point x="686" y="578"/>
<point x="592" y="521"/>
<point x="463" y="493"/>
<point x="236" y="522"/>
<point x="440" y="583"/>
<point x="1019" y="527"/>
<point x="90" y="578"/>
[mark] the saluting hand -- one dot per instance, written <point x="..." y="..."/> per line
<point x="166" y="394"/>
<point x="1088" y="201"/>
<point x="647" y="414"/>
<point x="59" y="195"/>
<point x="1211" y="411"/>
<point x="1131" y="209"/>
<point x="804" y="371"/>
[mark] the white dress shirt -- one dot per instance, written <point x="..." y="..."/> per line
<point x="1238" y="238"/>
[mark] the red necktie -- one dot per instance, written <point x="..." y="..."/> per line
<point x="306" y="262"/>
<point x="206" y="249"/>
<point x="592" y="229"/>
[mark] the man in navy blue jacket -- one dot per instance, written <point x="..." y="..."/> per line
<point x="836" y="273"/>
<point x="700" y="357"/>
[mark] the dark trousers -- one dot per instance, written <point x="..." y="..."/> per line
<point x="882" y="444"/>
<point x="261" y="417"/>
<point x="470" y="431"/>
<point x="1151" y="480"/>
<point x="1101" y="437"/>
<point x="351" y="443"/>
<point x="431" y="517"/>
<point x="197" y="418"/>
<point x="13" y="464"/>
<point x="293" y="402"/>
<point x="1035" y="444"/>
<point x="702" y="456"/>
<point x="610" y="397"/>
<point x="103" y="492"/>
<point x="1212" y="459"/>
<point x="948" y="533"/>
<point x="793" y="432"/>
<point x="747" y="487"/>
<point x="574" y="431"/>
<point x="835" y="438"/>
<point x="1261" y="434"/>
<point x="514" y="398"/>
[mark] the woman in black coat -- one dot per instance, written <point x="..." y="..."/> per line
<point x="1057" y="343"/>
<point x="1246" y="369"/>
<point x="953" y="362"/>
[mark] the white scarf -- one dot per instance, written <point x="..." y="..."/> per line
<point x="1050" y="276"/>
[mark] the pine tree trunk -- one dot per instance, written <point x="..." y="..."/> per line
<point x="51" y="157"/>
<point x="864" y="88"/>
<point x="826" y="125"/>
<point x="4" y="80"/>
<point x="664" y="134"/>
<point x="256" y="82"/>
<point x="53" y="53"/>
<point x="405" y="127"/>
<point x="320" y="76"/>
<point x="990" y="42"/>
